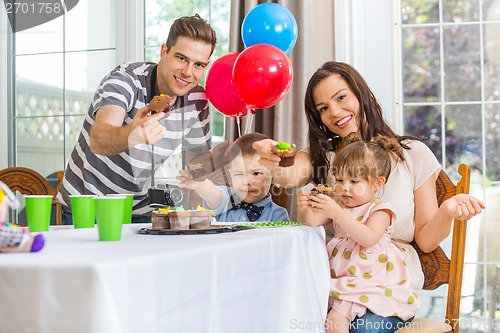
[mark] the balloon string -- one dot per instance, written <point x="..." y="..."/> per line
<point x="250" y="116"/>
<point x="238" y="125"/>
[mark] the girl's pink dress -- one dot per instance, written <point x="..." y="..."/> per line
<point x="374" y="278"/>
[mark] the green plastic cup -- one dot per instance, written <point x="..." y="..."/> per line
<point x="38" y="210"/>
<point x="83" y="210"/>
<point x="127" y="209"/>
<point x="109" y="217"/>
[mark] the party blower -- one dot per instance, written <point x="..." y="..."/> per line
<point x="12" y="237"/>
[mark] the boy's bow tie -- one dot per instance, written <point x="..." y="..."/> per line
<point x="253" y="211"/>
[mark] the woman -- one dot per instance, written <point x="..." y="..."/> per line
<point x="338" y="102"/>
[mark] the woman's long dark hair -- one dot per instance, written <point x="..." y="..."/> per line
<point x="371" y="120"/>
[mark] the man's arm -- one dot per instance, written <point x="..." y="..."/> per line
<point x="109" y="136"/>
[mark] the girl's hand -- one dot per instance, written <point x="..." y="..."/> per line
<point x="325" y="204"/>
<point x="267" y="157"/>
<point x="463" y="206"/>
<point x="303" y="200"/>
<point x="307" y="213"/>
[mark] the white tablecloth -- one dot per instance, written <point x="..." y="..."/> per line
<point x="261" y="280"/>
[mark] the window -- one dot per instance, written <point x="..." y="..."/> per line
<point x="57" y="66"/>
<point x="55" y="69"/>
<point x="451" y="95"/>
<point x="160" y="15"/>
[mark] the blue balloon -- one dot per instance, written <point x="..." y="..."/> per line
<point x="270" y="23"/>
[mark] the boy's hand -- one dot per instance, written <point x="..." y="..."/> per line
<point x="186" y="180"/>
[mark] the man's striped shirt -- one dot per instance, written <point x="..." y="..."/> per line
<point x="129" y="87"/>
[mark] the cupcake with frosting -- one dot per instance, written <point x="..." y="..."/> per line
<point x="201" y="218"/>
<point x="179" y="218"/>
<point x="160" y="219"/>
<point x="322" y="189"/>
<point x="286" y="152"/>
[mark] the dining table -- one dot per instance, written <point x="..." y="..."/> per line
<point x="262" y="279"/>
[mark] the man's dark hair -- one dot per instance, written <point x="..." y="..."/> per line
<point x="193" y="27"/>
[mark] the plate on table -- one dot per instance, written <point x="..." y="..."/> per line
<point x="216" y="229"/>
<point x="263" y="224"/>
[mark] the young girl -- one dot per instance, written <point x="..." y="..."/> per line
<point x="368" y="271"/>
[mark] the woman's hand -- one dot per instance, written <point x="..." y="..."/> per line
<point x="463" y="206"/>
<point x="267" y="157"/>
<point x="297" y="175"/>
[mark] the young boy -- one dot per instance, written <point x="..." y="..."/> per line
<point x="248" y="199"/>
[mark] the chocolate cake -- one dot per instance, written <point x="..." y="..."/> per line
<point x="160" y="103"/>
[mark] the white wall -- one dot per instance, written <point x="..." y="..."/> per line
<point x="364" y="31"/>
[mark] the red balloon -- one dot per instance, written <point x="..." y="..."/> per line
<point x="220" y="89"/>
<point x="262" y="75"/>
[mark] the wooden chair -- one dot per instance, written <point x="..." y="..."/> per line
<point x="28" y="181"/>
<point x="280" y="196"/>
<point x="437" y="268"/>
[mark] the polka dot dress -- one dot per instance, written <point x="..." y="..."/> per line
<point x="374" y="278"/>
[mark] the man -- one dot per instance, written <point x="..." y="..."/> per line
<point x="120" y="135"/>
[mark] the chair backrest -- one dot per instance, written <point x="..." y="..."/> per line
<point x="437" y="268"/>
<point x="280" y="196"/>
<point x="30" y="182"/>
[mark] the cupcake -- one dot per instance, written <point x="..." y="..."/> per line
<point x="286" y="152"/>
<point x="322" y="189"/>
<point x="201" y="218"/>
<point x="159" y="219"/>
<point x="197" y="171"/>
<point x="179" y="218"/>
